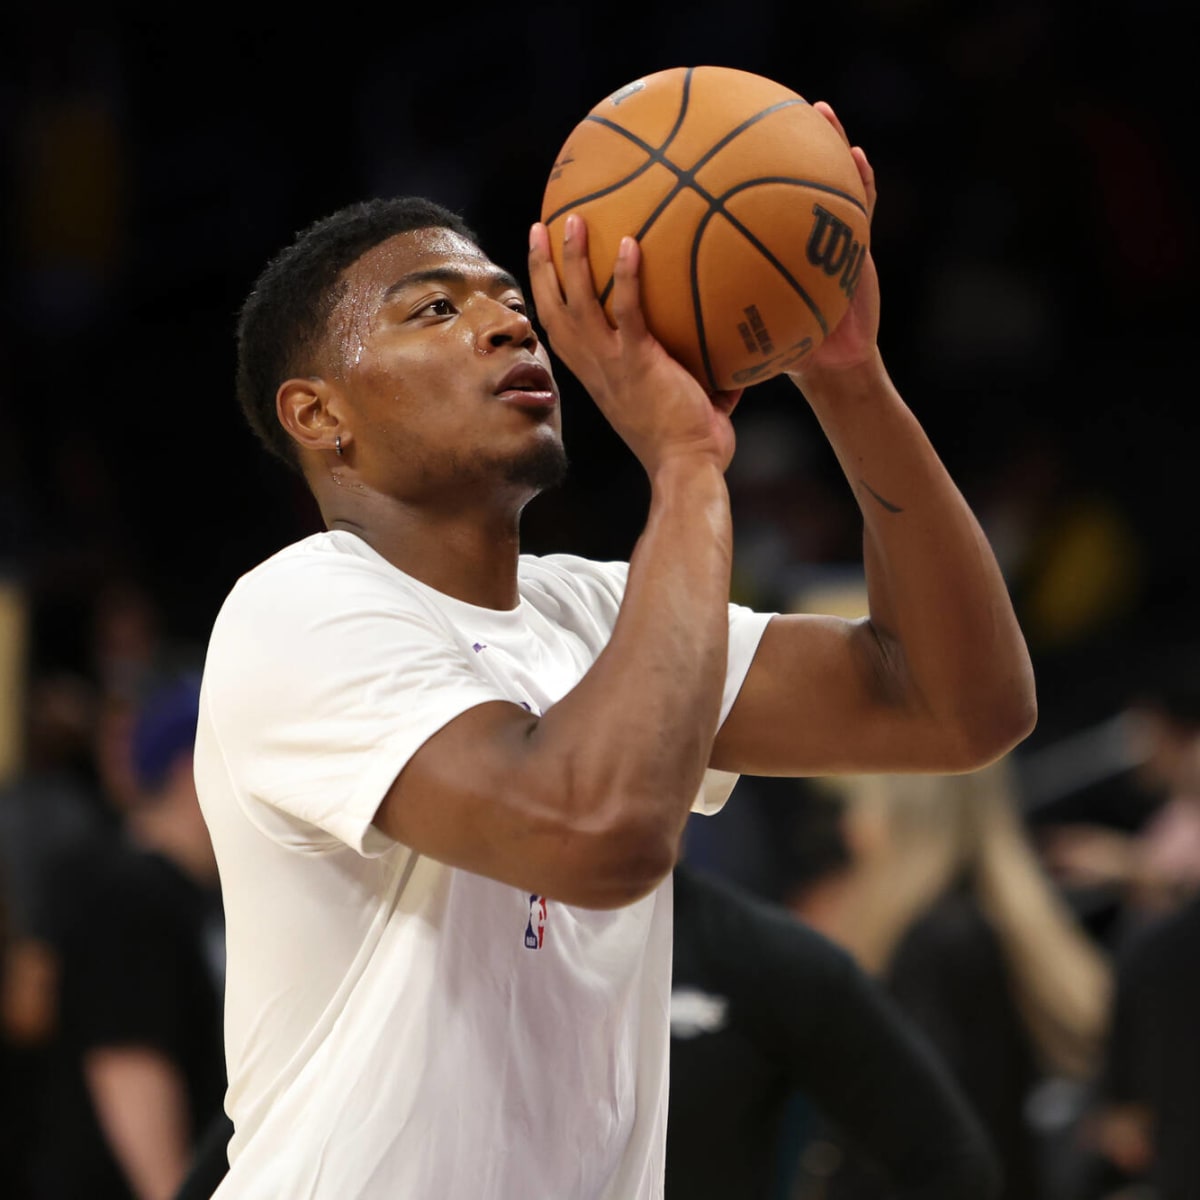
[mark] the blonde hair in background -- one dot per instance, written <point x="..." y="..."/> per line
<point x="914" y="837"/>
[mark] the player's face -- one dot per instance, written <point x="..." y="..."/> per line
<point x="443" y="381"/>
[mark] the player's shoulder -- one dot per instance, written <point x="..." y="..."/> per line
<point x="328" y="550"/>
<point x="307" y="570"/>
<point x="571" y="576"/>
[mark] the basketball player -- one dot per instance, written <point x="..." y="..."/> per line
<point x="446" y="782"/>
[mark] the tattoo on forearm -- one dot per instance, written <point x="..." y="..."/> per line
<point x="892" y="508"/>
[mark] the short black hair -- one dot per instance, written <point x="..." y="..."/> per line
<point x="284" y="318"/>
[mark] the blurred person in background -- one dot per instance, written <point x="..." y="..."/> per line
<point x="1144" y="1122"/>
<point x="136" y="1068"/>
<point x="766" y="1011"/>
<point x="49" y="804"/>
<point x="945" y="901"/>
<point x="1130" y="841"/>
<point x="96" y="645"/>
<point x="93" y="641"/>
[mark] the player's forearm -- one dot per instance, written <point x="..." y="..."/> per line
<point x="948" y="636"/>
<point x="634" y="736"/>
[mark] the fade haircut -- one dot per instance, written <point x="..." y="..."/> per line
<point x="284" y="319"/>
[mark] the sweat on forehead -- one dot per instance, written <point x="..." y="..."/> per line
<point x="418" y="257"/>
<point x="384" y="264"/>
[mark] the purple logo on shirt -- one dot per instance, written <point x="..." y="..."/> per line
<point x="479" y="646"/>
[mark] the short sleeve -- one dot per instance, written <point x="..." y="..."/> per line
<point x="314" y="705"/>
<point x="746" y="627"/>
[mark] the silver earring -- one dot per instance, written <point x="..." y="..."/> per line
<point x="337" y="445"/>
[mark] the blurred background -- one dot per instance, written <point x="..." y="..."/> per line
<point x="1037" y="240"/>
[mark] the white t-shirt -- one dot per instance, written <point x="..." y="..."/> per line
<point x="396" y="1028"/>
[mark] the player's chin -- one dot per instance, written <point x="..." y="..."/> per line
<point x="540" y="465"/>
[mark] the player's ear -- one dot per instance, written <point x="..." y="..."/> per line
<point x="307" y="410"/>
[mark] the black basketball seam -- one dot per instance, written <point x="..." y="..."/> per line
<point x="641" y="233"/>
<point x="796" y="286"/>
<point x="740" y="129"/>
<point x="791" y="179"/>
<point x="686" y="177"/>
<point x="694" y="270"/>
<point x="697" y="307"/>
<point x="717" y="205"/>
<point x="612" y="187"/>
<point x="654" y="154"/>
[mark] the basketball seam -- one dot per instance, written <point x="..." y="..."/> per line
<point x="697" y="306"/>
<point x="791" y="179"/>
<point x="684" y="176"/>
<point x="685" y="93"/>
<point x="740" y="129"/>
<point x="718" y="207"/>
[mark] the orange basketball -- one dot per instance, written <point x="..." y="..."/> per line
<point x="748" y="206"/>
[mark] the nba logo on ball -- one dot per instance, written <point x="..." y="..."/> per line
<point x="535" y="928"/>
<point x="748" y="206"/>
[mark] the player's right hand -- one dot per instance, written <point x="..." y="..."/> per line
<point x="657" y="407"/>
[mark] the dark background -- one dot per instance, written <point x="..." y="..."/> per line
<point x="1036" y="237"/>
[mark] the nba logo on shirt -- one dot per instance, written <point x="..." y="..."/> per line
<point x="536" y="928"/>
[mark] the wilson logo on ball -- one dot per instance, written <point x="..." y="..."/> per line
<point x="833" y="247"/>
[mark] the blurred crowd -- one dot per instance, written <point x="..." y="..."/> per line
<point x="1038" y="923"/>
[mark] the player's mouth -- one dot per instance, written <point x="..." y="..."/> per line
<point x="528" y="385"/>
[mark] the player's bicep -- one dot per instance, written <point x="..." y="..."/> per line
<point x="487" y="794"/>
<point x="458" y="797"/>
<point x="822" y="697"/>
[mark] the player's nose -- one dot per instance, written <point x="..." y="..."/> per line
<point x="502" y="325"/>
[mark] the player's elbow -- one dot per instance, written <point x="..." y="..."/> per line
<point x="996" y="725"/>
<point x="634" y="877"/>
<point x="1018" y="718"/>
<point x="620" y="860"/>
<point x="1012" y="710"/>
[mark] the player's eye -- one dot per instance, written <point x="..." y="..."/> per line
<point x="518" y="306"/>
<point x="441" y="307"/>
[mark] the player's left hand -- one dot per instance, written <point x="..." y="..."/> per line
<point x="853" y="340"/>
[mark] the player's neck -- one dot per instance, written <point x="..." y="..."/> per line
<point x="458" y="554"/>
